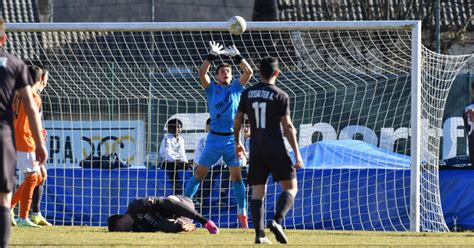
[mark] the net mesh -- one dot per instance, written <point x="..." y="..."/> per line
<point x="112" y="92"/>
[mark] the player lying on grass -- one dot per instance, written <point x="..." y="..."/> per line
<point x="170" y="214"/>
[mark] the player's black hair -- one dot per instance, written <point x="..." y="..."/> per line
<point x="208" y="121"/>
<point x="43" y="67"/>
<point x="37" y="63"/>
<point x="36" y="72"/>
<point x="112" y="222"/>
<point x="222" y="65"/>
<point x="268" y="67"/>
<point x="174" y="122"/>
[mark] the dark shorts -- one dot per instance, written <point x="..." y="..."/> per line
<point x="7" y="160"/>
<point x="188" y="202"/>
<point x="262" y="163"/>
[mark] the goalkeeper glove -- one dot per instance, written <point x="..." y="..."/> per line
<point x="234" y="53"/>
<point x="215" y="49"/>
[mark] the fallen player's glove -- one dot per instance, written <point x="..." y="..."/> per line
<point x="185" y="226"/>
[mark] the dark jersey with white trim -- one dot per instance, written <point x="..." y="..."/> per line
<point x="264" y="105"/>
<point x="149" y="216"/>
<point x="14" y="75"/>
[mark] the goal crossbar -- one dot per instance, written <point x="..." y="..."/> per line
<point x="211" y="26"/>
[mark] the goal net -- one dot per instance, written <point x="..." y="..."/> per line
<point x="366" y="97"/>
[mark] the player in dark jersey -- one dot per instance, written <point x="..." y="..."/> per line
<point x="267" y="107"/>
<point x="14" y="76"/>
<point x="165" y="214"/>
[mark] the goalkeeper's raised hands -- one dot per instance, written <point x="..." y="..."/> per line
<point x="231" y="51"/>
<point x="234" y="53"/>
<point x="215" y="49"/>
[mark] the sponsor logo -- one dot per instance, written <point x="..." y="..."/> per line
<point x="70" y="142"/>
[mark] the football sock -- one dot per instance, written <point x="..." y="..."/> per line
<point x="285" y="201"/>
<point x="192" y="187"/>
<point x="37" y="196"/>
<point x="27" y="193"/>
<point x="239" y="191"/>
<point x="4" y="226"/>
<point x="181" y="209"/>
<point x="256" y="209"/>
<point x="17" y="195"/>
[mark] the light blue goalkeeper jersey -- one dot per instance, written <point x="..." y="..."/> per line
<point x="223" y="102"/>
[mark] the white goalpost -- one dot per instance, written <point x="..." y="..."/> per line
<point x="366" y="97"/>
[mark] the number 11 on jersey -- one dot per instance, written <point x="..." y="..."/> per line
<point x="260" y="109"/>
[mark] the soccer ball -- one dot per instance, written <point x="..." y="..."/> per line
<point x="236" y="25"/>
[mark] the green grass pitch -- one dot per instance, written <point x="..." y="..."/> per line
<point x="58" y="236"/>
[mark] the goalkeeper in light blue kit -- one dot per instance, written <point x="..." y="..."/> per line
<point x="223" y="99"/>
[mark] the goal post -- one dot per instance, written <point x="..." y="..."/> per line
<point x="366" y="97"/>
<point x="415" y="219"/>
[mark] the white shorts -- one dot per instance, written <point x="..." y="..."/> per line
<point x="26" y="162"/>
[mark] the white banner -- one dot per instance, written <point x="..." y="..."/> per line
<point x="69" y="142"/>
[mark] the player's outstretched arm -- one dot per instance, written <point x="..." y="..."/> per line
<point x="203" y="70"/>
<point x="290" y="133"/>
<point x="239" y="147"/>
<point x="35" y="123"/>
<point x="215" y="49"/>
<point x="247" y="70"/>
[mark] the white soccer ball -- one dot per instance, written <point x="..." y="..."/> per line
<point x="236" y="25"/>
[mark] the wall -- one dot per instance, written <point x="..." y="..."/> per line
<point x="141" y="10"/>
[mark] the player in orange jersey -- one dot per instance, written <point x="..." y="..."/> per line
<point x="36" y="215"/>
<point x="25" y="147"/>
